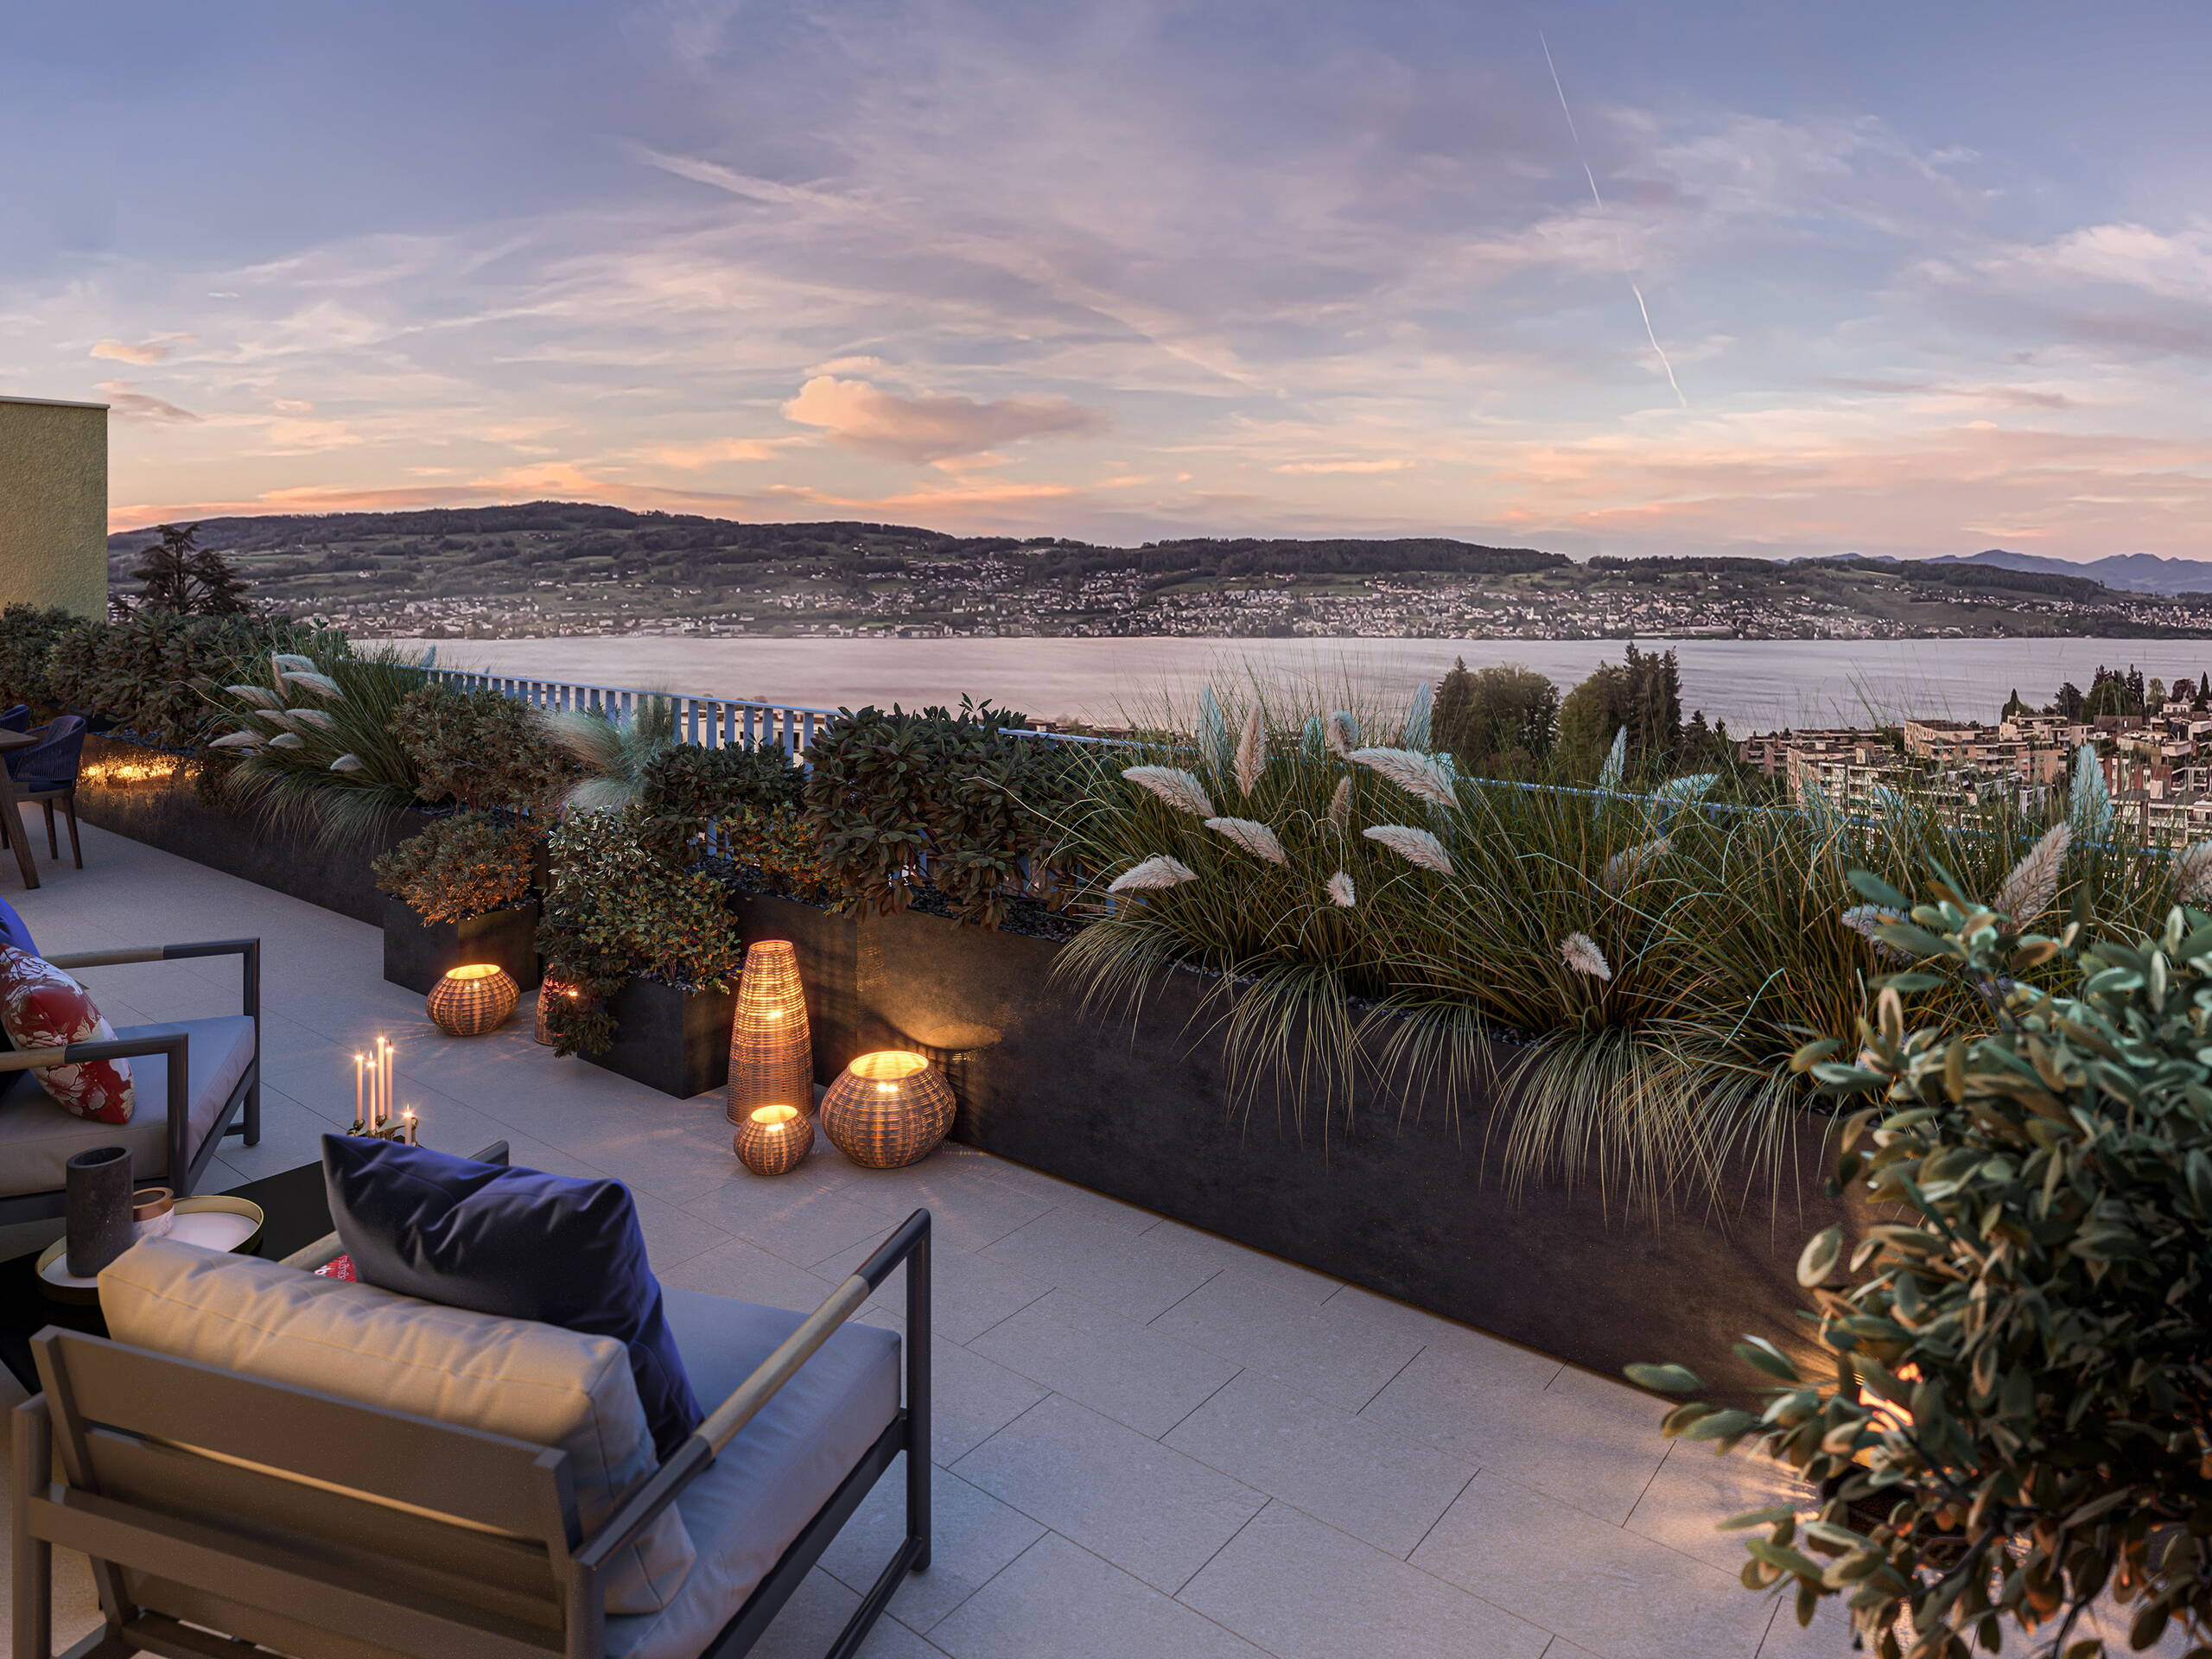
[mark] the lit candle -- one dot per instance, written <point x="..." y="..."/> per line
<point x="407" y="1119"/>
<point x="360" y="1091"/>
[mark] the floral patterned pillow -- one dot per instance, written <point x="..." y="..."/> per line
<point x="40" y="1006"/>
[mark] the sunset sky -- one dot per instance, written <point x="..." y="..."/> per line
<point x="1931" y="276"/>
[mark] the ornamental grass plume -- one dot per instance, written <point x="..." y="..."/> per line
<point x="1252" y="836"/>
<point x="1580" y="952"/>
<point x="2032" y="884"/>
<point x="1864" y="919"/>
<point x="1417" y="774"/>
<point x="1251" y="752"/>
<point x="1341" y="891"/>
<point x="1179" y="789"/>
<point x="1153" y="874"/>
<point x="1415" y="846"/>
<point x="1624" y="867"/>
<point x="1343" y="729"/>
<point x="1340" y="808"/>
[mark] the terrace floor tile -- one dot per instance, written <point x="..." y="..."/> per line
<point x="1331" y="1351"/>
<point x="1115" y="1366"/>
<point x="973" y="1536"/>
<point x="1359" y="1477"/>
<point x="1130" y="1500"/>
<point x="1133" y="1274"/>
<point x="1059" y="1601"/>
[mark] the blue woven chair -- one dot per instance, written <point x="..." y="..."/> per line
<point x="47" y="772"/>
<point x="17" y="719"/>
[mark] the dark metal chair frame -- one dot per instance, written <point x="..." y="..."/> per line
<point x="65" y="793"/>
<point x="211" y="1540"/>
<point x="241" y="1113"/>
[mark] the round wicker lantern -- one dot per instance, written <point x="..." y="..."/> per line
<point x="771" y="1049"/>
<point x="887" y="1110"/>
<point x="550" y="991"/>
<point x="471" y="1001"/>
<point x="773" y="1139"/>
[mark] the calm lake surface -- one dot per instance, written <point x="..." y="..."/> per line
<point x="1751" y="685"/>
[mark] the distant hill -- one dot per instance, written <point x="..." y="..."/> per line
<point x="2133" y="573"/>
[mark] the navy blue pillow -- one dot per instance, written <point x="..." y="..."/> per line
<point x="12" y="930"/>
<point x="514" y="1242"/>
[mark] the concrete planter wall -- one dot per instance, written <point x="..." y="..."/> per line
<point x="150" y="796"/>
<point x="419" y="954"/>
<point x="1394" y="1198"/>
<point x="673" y="1040"/>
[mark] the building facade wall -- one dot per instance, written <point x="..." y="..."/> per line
<point x="53" y="504"/>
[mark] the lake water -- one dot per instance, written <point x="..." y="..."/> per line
<point x="1751" y="685"/>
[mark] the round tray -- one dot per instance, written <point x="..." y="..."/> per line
<point x="217" y="1222"/>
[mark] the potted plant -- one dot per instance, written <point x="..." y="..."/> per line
<point x="649" y="944"/>
<point x="460" y="892"/>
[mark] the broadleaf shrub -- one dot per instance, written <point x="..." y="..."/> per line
<point x="479" y="748"/>
<point x="904" y="801"/>
<point x="27" y="636"/>
<point x="457" y="867"/>
<point x="616" y="911"/>
<point x="2019" y="1424"/>
<point x="149" y="672"/>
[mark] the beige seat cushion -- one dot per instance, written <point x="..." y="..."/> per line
<point x="516" y="1377"/>
<point x="38" y="1137"/>
<point x="755" y="1498"/>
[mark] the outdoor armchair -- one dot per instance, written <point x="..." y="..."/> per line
<point x="196" y="1082"/>
<point x="47" y="772"/>
<point x="213" y="1501"/>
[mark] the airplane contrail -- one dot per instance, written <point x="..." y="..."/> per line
<point x="1649" y="333"/>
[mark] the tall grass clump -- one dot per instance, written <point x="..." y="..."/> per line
<point x="1632" y="967"/>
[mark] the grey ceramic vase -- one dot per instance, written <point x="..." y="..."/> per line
<point x="96" y="1199"/>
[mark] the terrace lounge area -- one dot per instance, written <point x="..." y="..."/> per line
<point x="1151" y="1443"/>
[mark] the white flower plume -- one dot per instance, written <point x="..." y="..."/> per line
<point x="1417" y="774"/>
<point x="1580" y="952"/>
<point x="1415" y="846"/>
<point x="1154" y="873"/>
<point x="2192" y="872"/>
<point x="1252" y="836"/>
<point x="1341" y="891"/>
<point x="1343" y="731"/>
<point x="1624" y="867"/>
<point x="1340" y="806"/>
<point x="1180" y="789"/>
<point x="1863" y="920"/>
<point x="2033" y="882"/>
<point x="1251" y="752"/>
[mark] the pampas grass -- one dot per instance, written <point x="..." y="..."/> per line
<point x="1252" y="836"/>
<point x="2191" y="873"/>
<point x="2031" y="884"/>
<point x="1341" y="891"/>
<point x="1423" y="775"/>
<point x="1152" y="875"/>
<point x="1415" y="846"/>
<point x="1251" y="752"/>
<point x="1339" y="813"/>
<point x="1179" y="789"/>
<point x="1623" y="867"/>
<point x="1580" y="952"/>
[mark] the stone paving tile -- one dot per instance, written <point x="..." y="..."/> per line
<point x="1130" y="1500"/>
<point x="1336" y="1353"/>
<point x="1113" y="1365"/>
<point x="969" y="1293"/>
<point x="809" y="1621"/>
<point x="972" y="1536"/>
<point x="1361" y="1477"/>
<point x="1601" y="1587"/>
<point x="1133" y="1274"/>
<point x="1059" y="1601"/>
<point x="1694" y="1490"/>
<point x="1301" y="1589"/>
<point x="1249" y="1265"/>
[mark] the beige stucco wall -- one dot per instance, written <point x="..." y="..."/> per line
<point x="53" y="504"/>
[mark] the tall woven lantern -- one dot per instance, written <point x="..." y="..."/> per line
<point x="771" y="1048"/>
<point x="887" y="1110"/>
<point x="471" y="1001"/>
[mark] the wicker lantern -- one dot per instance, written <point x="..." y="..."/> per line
<point x="887" y="1110"/>
<point x="471" y="1001"/>
<point x="773" y="1139"/>
<point x="771" y="1050"/>
<point x="550" y="991"/>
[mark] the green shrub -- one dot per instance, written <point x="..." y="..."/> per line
<point x="479" y="748"/>
<point x="2036" y="1295"/>
<point x="750" y="798"/>
<point x="27" y="636"/>
<point x="615" y="911"/>
<point x="896" y="795"/>
<point x="150" y="672"/>
<point x="457" y="867"/>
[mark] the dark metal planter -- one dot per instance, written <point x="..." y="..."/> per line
<point x="149" y="795"/>
<point x="1394" y="1197"/>
<point x="675" y="1041"/>
<point x="418" y="954"/>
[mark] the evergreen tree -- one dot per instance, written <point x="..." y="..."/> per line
<point x="2154" y="695"/>
<point x="2014" y="706"/>
<point x="164" y="570"/>
<point x="1500" y="722"/>
<point x="1644" y="694"/>
<point x="2066" y="705"/>
<point x="2135" y="690"/>
<point x="221" y="591"/>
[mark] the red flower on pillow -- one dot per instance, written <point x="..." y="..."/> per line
<point x="40" y="1006"/>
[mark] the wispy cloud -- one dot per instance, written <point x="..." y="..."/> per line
<point x="932" y="426"/>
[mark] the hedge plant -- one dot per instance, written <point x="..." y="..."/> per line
<point x="479" y="748"/>
<point x="615" y="911"/>
<point x="2017" y="1422"/>
<point x="148" y="673"/>
<point x="468" y="864"/>
<point x="27" y="636"/>
<point x="905" y="801"/>
<point x="744" y="801"/>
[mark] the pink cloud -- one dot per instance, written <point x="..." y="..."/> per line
<point x="932" y="426"/>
